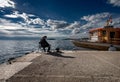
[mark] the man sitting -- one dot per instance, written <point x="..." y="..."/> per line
<point x="44" y="44"/>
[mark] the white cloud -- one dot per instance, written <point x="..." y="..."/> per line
<point x="116" y="22"/>
<point x="76" y="24"/>
<point x="114" y="2"/>
<point x="96" y="17"/>
<point x="53" y="28"/>
<point x="7" y="3"/>
<point x="76" y="31"/>
<point x="63" y="27"/>
<point x="97" y="20"/>
<point x="7" y="24"/>
<point x="55" y="24"/>
<point x="16" y="14"/>
<point x="37" y="21"/>
<point x="4" y="32"/>
<point x="26" y="18"/>
<point x="74" y="27"/>
<point x="9" y="29"/>
<point x="51" y="24"/>
<point x="11" y="16"/>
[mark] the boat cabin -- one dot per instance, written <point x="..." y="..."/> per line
<point x="108" y="34"/>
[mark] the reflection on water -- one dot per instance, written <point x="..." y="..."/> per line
<point x="16" y="48"/>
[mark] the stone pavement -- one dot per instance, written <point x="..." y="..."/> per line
<point x="70" y="66"/>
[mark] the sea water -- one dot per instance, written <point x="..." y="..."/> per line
<point x="13" y="48"/>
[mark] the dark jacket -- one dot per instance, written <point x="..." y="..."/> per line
<point x="43" y="43"/>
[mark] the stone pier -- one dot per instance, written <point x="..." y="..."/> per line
<point x="65" y="66"/>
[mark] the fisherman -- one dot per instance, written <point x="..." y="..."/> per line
<point x="43" y="42"/>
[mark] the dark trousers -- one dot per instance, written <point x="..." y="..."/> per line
<point x="44" y="48"/>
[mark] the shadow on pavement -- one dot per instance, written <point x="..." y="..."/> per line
<point x="59" y="54"/>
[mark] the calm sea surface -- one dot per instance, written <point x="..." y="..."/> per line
<point x="16" y="48"/>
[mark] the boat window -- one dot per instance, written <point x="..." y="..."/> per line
<point x="112" y="34"/>
<point x="104" y="33"/>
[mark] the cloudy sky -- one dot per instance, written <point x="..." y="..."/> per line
<point x="55" y="18"/>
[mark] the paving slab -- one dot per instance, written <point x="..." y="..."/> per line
<point x="7" y="70"/>
<point x="71" y="66"/>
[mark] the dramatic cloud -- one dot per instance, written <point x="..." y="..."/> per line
<point x="116" y="22"/>
<point x="26" y="17"/>
<point x="52" y="28"/>
<point x="49" y="27"/>
<point x="11" y="16"/>
<point x="96" y="17"/>
<point x="56" y="24"/>
<point x="7" y="24"/>
<point x="7" y="3"/>
<point x="76" y="24"/>
<point x="97" y="20"/>
<point x="76" y="31"/>
<point x="114" y="2"/>
<point x="63" y="27"/>
<point x="10" y="29"/>
<point x="16" y="14"/>
<point x="74" y="27"/>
